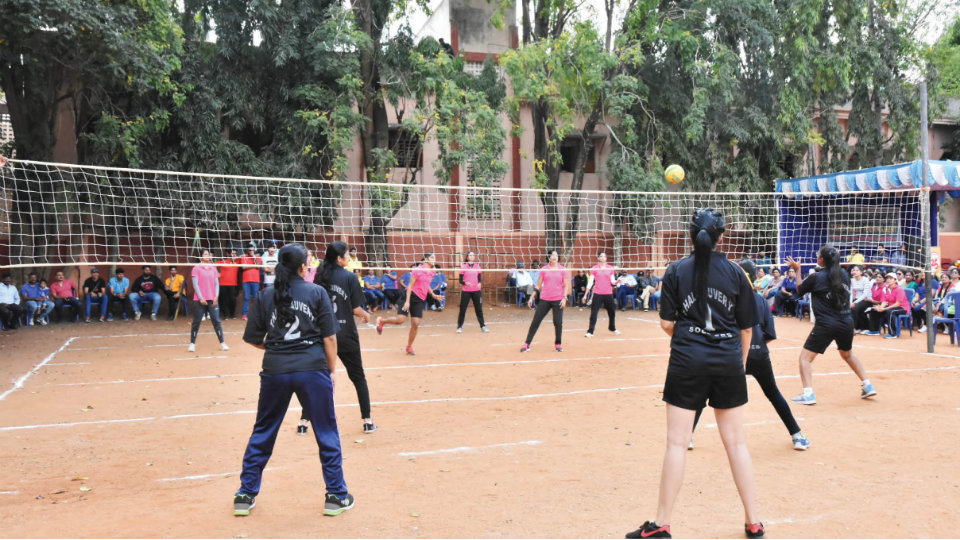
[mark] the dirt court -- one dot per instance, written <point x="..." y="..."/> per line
<point x="117" y="431"/>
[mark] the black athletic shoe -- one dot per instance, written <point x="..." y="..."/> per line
<point x="242" y="504"/>
<point x="369" y="427"/>
<point x="650" y="529"/>
<point x="301" y="430"/>
<point x="334" y="506"/>
<point x="754" y="530"/>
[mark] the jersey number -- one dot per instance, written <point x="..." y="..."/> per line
<point x="293" y="332"/>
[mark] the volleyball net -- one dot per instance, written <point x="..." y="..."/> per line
<point x="61" y="215"/>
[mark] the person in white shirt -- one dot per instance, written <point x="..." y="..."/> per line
<point x="627" y="285"/>
<point x="10" y="309"/>
<point x="524" y="280"/>
<point x="270" y="260"/>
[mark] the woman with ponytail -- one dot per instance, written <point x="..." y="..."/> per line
<point x="708" y="308"/>
<point x="294" y="323"/>
<point x="830" y="299"/>
<point x="348" y="301"/>
<point x="206" y="294"/>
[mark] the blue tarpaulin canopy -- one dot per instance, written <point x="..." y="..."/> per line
<point x="944" y="176"/>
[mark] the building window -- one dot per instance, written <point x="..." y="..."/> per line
<point x="482" y="203"/>
<point x="406" y="147"/>
<point x="570" y="149"/>
<point x="6" y="128"/>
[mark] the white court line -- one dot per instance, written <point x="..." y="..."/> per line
<point x="19" y="382"/>
<point x="202" y="476"/>
<point x="792" y="520"/>
<point x="650" y="321"/>
<point x="68" y="364"/>
<point x="164" y="345"/>
<point x="164" y="379"/>
<point x="448" y="400"/>
<point x="9" y="492"/>
<point x="91" y="348"/>
<point x="758" y="423"/>
<point x="468" y="448"/>
<point x="199" y="358"/>
<point x="662" y="338"/>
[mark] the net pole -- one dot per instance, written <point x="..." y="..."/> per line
<point x="926" y="202"/>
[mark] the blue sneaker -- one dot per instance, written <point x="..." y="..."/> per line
<point x="867" y="391"/>
<point x="805" y="399"/>
<point x="872" y="333"/>
<point x="800" y="442"/>
<point x="890" y="336"/>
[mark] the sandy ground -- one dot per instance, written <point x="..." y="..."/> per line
<point x="117" y="431"/>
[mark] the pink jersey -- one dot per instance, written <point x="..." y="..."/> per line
<point x="471" y="276"/>
<point x="601" y="279"/>
<point x="553" y="288"/>
<point x="207" y="279"/>
<point x="422" y="276"/>
<point x="892" y="296"/>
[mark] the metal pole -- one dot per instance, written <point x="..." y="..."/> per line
<point x="927" y="225"/>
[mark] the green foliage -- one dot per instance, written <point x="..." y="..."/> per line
<point x="945" y="58"/>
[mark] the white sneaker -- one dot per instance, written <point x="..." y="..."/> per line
<point x="459" y="330"/>
<point x="43" y="322"/>
<point x="192" y="347"/>
<point x="922" y="329"/>
<point x="153" y="316"/>
<point x="224" y="347"/>
<point x="484" y="329"/>
<point x="690" y="446"/>
<point x="616" y="332"/>
<point x="588" y="334"/>
<point x="136" y="316"/>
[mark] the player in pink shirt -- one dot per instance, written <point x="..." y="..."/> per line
<point x="553" y="287"/>
<point x="206" y="287"/>
<point x="601" y="281"/>
<point x="471" y="282"/>
<point x="417" y="293"/>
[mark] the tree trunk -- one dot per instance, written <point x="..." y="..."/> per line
<point x="579" y="169"/>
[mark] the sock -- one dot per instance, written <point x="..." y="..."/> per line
<point x="865" y="382"/>
<point x="808" y="390"/>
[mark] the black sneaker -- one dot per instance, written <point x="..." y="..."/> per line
<point x="754" y="530"/>
<point x="301" y="430"/>
<point x="369" y="427"/>
<point x="335" y="506"/>
<point x="650" y="529"/>
<point x="242" y="504"/>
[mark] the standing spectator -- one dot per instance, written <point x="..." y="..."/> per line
<point x="880" y="257"/>
<point x="206" y="288"/>
<point x="249" y="266"/>
<point x="38" y="304"/>
<point x="174" y="288"/>
<point x="147" y="287"/>
<point x="119" y="290"/>
<point x="313" y="264"/>
<point x="763" y="261"/>
<point x="372" y="289"/>
<point x="45" y="292"/>
<point x="647" y="287"/>
<point x="95" y="292"/>
<point x="353" y="263"/>
<point x="899" y="257"/>
<point x="10" y="310"/>
<point x="580" y="288"/>
<point x="229" y="285"/>
<point x="438" y="285"/>
<point x="391" y="287"/>
<point x="270" y="260"/>
<point x="64" y="292"/>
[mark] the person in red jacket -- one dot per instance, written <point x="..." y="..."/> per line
<point x="250" y="271"/>
<point x="229" y="285"/>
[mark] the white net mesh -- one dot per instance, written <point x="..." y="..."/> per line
<point x="55" y="215"/>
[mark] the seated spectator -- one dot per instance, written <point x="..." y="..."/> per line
<point x="372" y="290"/>
<point x="626" y="285"/>
<point x="174" y="287"/>
<point x="647" y="287"/>
<point x="763" y="261"/>
<point x="146" y="288"/>
<point x="535" y="272"/>
<point x="763" y="280"/>
<point x="524" y="281"/>
<point x="37" y="300"/>
<point x="10" y="310"/>
<point x="512" y="275"/>
<point x="95" y="292"/>
<point x="391" y="288"/>
<point x="776" y="280"/>
<point x="118" y="288"/>
<point x="918" y="307"/>
<point x="899" y="257"/>
<point x="786" y="298"/>
<point x="64" y="293"/>
<point x="439" y="287"/>
<point x="879" y="258"/>
<point x="579" y="287"/>
<point x="893" y="304"/>
<point x="909" y="280"/>
<point x="855" y="257"/>
<point x="862" y="291"/>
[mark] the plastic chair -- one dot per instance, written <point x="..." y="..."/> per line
<point x="633" y="300"/>
<point x="906" y="318"/>
<point x="803" y="303"/>
<point x="952" y="300"/>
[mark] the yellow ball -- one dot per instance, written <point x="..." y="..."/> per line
<point x="674" y="174"/>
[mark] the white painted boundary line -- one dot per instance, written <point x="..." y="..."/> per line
<point x="757" y="423"/>
<point x="203" y="476"/>
<point x="69" y="364"/>
<point x="166" y="379"/>
<point x="9" y="492"/>
<point x="468" y="448"/>
<point x="199" y="358"/>
<point x="793" y="520"/>
<point x="91" y="348"/>
<point x="18" y="384"/>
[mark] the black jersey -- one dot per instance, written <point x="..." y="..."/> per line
<point x="707" y="343"/>
<point x="346" y="295"/>
<point x="822" y="301"/>
<point x="299" y="345"/>
<point x="764" y="331"/>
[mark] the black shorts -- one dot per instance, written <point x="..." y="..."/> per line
<point x="691" y="392"/>
<point x="416" y="307"/>
<point x="821" y="336"/>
